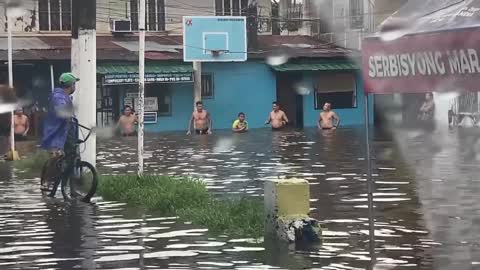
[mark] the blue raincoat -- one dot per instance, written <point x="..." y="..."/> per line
<point x="57" y="123"/>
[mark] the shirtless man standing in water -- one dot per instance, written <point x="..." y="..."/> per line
<point x="127" y="122"/>
<point x="201" y="122"/>
<point x="328" y="119"/>
<point x="277" y="117"/>
<point x="22" y="124"/>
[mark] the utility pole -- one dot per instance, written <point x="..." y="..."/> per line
<point x="252" y="25"/>
<point x="84" y="66"/>
<point x="14" y="154"/>
<point x="197" y="82"/>
<point x="141" y="84"/>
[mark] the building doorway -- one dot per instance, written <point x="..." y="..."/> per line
<point x="290" y="101"/>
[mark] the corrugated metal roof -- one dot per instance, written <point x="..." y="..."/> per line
<point x="150" y="46"/>
<point x="320" y="66"/>
<point x="25" y="43"/>
<point x="125" y="68"/>
<point x="111" y="48"/>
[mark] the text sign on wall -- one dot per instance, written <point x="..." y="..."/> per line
<point x="428" y="62"/>
<point x="151" y="103"/>
<point x="132" y="78"/>
<point x="150" y="118"/>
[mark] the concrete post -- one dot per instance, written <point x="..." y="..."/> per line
<point x="141" y="85"/>
<point x="287" y="205"/>
<point x="52" y="77"/>
<point x="84" y="66"/>
<point x="197" y="84"/>
<point x="14" y="154"/>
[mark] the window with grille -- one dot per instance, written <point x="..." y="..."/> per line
<point x="55" y="15"/>
<point x="356" y="14"/>
<point x="231" y="7"/>
<point x="294" y="15"/>
<point x="207" y="86"/>
<point x="338" y="89"/>
<point x="155" y="18"/>
<point x="164" y="98"/>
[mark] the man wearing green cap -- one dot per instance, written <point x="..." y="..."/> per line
<point x="57" y="130"/>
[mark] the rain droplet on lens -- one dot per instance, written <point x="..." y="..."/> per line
<point x="15" y="8"/>
<point x="8" y="100"/>
<point x="65" y="112"/>
<point x="393" y="28"/>
<point x="277" y="60"/>
<point x="223" y="145"/>
<point x="303" y="88"/>
<point x="7" y="107"/>
<point x="104" y="132"/>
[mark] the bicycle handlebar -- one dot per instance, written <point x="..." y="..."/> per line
<point x="84" y="127"/>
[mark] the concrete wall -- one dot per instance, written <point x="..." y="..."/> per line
<point x="336" y="14"/>
<point x="182" y="105"/>
<point x="348" y="117"/>
<point x="120" y="9"/>
<point x="248" y="87"/>
<point x="385" y="8"/>
<point x="26" y="23"/>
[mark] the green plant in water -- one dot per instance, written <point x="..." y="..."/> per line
<point x="189" y="199"/>
<point x="33" y="162"/>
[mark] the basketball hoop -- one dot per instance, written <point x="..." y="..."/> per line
<point x="211" y="39"/>
<point x="217" y="53"/>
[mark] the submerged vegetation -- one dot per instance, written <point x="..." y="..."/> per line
<point x="33" y="162"/>
<point x="184" y="197"/>
<point x="189" y="199"/>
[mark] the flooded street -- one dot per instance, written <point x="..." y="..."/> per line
<point x="427" y="216"/>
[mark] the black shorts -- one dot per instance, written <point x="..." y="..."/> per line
<point x="201" y="131"/>
<point x="130" y="134"/>
<point x="20" y="137"/>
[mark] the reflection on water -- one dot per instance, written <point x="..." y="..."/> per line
<point x="410" y="202"/>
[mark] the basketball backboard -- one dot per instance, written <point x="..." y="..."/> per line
<point x="214" y="38"/>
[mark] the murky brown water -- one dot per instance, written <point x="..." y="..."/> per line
<point x="426" y="211"/>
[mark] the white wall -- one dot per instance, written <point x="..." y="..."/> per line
<point x="23" y="23"/>
<point x="174" y="12"/>
<point x="120" y="9"/>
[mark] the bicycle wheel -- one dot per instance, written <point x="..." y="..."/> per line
<point x="49" y="180"/>
<point x="82" y="184"/>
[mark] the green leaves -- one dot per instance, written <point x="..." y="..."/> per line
<point x="189" y="199"/>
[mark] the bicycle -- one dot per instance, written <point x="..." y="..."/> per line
<point x="78" y="179"/>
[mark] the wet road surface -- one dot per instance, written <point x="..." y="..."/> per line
<point x="426" y="211"/>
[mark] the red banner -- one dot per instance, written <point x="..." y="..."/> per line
<point x="441" y="61"/>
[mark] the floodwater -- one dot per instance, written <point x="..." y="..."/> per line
<point x="427" y="217"/>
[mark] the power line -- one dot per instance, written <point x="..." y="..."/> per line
<point x="174" y="18"/>
<point x="107" y="10"/>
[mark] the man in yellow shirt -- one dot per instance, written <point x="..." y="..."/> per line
<point x="240" y="125"/>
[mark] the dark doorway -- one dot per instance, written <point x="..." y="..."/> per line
<point x="290" y="101"/>
<point x="299" y="111"/>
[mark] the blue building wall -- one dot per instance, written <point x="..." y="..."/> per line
<point x="241" y="87"/>
<point x="182" y="106"/>
<point x="348" y="117"/>
<point x="238" y="87"/>
<point x="250" y="88"/>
